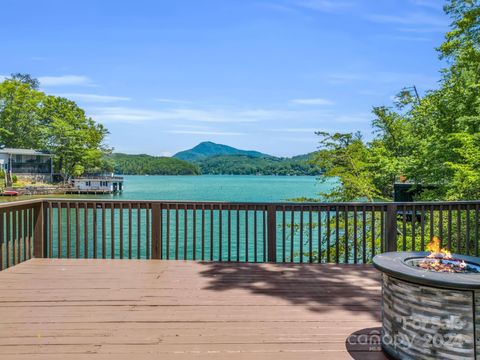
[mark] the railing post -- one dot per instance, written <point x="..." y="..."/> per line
<point x="39" y="231"/>
<point x="391" y="228"/>
<point x="272" y="233"/>
<point x="156" y="231"/>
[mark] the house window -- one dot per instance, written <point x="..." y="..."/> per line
<point x="88" y="183"/>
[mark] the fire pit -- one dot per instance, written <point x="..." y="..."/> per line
<point x="431" y="304"/>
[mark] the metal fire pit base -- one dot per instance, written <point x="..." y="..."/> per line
<point x="428" y="315"/>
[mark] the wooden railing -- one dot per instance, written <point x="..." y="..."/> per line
<point x="241" y="232"/>
<point x="21" y="231"/>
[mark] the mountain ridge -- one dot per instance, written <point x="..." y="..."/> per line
<point x="207" y="149"/>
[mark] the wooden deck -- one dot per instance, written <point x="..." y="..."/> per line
<point x="129" y="310"/>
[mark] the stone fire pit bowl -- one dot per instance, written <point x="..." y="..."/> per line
<point x="428" y="314"/>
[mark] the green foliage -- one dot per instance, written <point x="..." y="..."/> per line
<point x="150" y="165"/>
<point x="247" y="165"/>
<point x="432" y="141"/>
<point x="14" y="179"/>
<point x="31" y="119"/>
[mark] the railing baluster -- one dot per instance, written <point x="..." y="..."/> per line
<point x="85" y="230"/>
<point x="2" y="239"/>
<point x="255" y="234"/>
<point x="467" y="230"/>
<point x="292" y="234"/>
<point x="355" y="234"/>
<point x="147" y="231"/>
<point x="310" y="235"/>
<point x="77" y="231"/>
<point x="373" y="231"/>
<point x="414" y="224"/>
<point x="284" y="227"/>
<point x="211" y="233"/>
<point x="364" y="234"/>
<point x="176" y="232"/>
<point x="337" y="235"/>
<point x="345" y="215"/>
<point x="104" y="234"/>
<point x="476" y="230"/>
<point x="112" y="230"/>
<point x="59" y="230"/>
<point x="264" y="220"/>
<point x="301" y="234"/>
<point x="68" y="230"/>
<point x="14" y="237"/>
<point x="20" y="236"/>
<point x="120" y="230"/>
<point x="203" y="232"/>
<point x="328" y="233"/>
<point x="8" y="239"/>
<point x="229" y="234"/>
<point x="246" y="234"/>
<point x="319" y="260"/>
<point x="459" y="221"/>
<point x="185" y="232"/>
<point x="195" y="232"/>
<point x="220" y="240"/>
<point x="130" y="235"/>
<point x="95" y="229"/>
<point x="139" y="231"/>
<point x="238" y="233"/>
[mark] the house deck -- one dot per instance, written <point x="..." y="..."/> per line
<point x="128" y="309"/>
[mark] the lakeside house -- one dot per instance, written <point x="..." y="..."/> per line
<point x="95" y="184"/>
<point x="27" y="164"/>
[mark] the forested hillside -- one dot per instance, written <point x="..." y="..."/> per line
<point x="151" y="165"/>
<point x="247" y="165"/>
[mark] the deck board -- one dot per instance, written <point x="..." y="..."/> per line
<point x="133" y="309"/>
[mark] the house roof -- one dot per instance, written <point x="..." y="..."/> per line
<point x="12" y="151"/>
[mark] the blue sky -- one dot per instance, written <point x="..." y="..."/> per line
<point x="256" y="74"/>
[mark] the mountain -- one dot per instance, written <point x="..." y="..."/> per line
<point x="208" y="149"/>
<point x="142" y="164"/>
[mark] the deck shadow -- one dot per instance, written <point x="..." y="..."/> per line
<point x="319" y="287"/>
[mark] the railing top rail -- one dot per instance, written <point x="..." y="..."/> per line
<point x="275" y="203"/>
<point x="10" y="204"/>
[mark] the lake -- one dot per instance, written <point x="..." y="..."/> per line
<point x="221" y="188"/>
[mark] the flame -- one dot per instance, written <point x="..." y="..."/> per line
<point x="436" y="250"/>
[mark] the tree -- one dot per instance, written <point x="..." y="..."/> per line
<point x="434" y="141"/>
<point x="26" y="79"/>
<point x="31" y="119"/>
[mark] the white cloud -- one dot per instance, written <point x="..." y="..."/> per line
<point x="324" y="5"/>
<point x="410" y="38"/>
<point x="94" y="98"/>
<point x="172" y="101"/>
<point x="2" y="77"/>
<point x="432" y="4"/>
<point x="312" y="101"/>
<point x="196" y="132"/>
<point x="383" y="77"/>
<point x="65" y="80"/>
<point x="298" y="130"/>
<point x="126" y="114"/>
<point x="408" y="19"/>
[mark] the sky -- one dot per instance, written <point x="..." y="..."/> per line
<point x="164" y="75"/>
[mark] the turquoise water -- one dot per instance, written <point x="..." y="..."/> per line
<point x="210" y="234"/>
<point x="221" y="188"/>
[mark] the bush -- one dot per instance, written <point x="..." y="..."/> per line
<point x="14" y="179"/>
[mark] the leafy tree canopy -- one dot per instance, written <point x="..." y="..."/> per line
<point x="434" y="140"/>
<point x="31" y="119"/>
